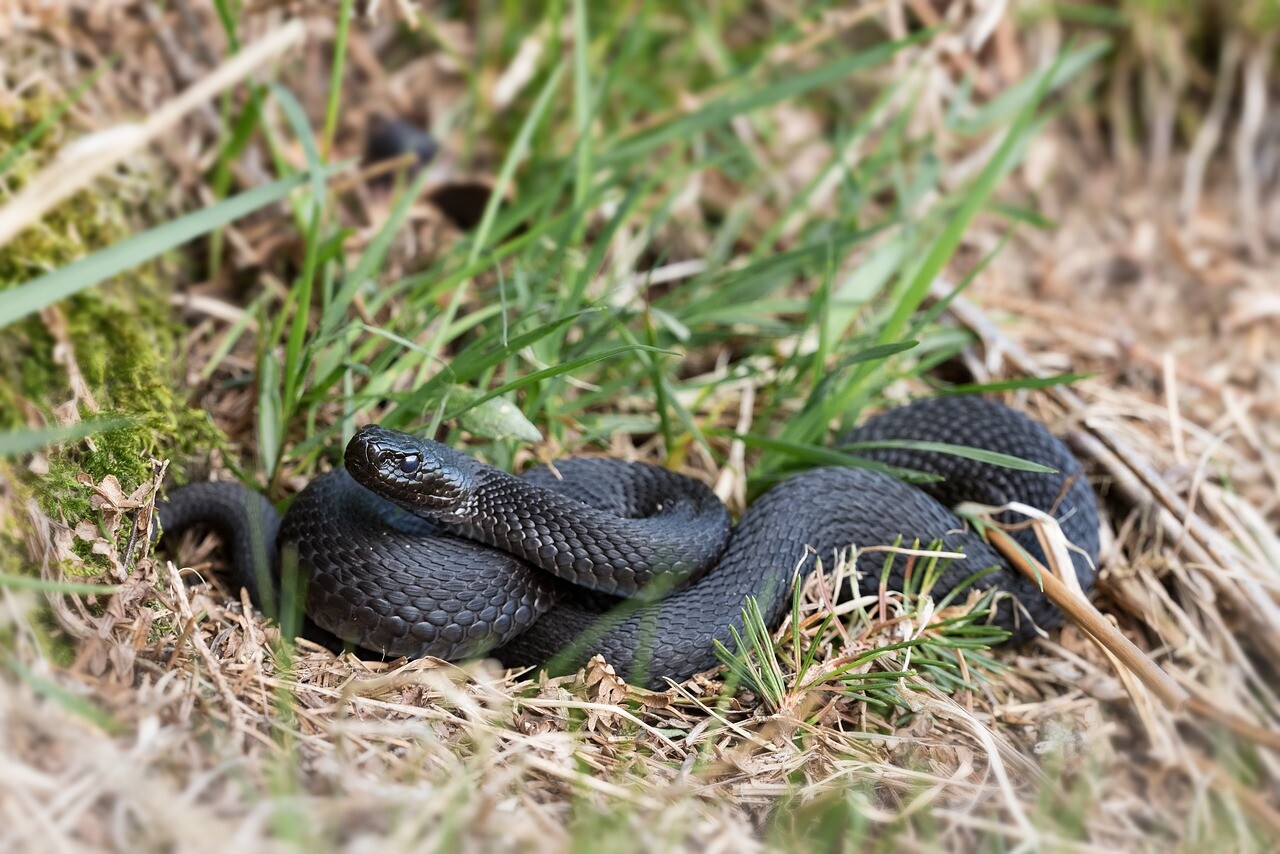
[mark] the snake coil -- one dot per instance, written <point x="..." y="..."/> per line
<point x="416" y="549"/>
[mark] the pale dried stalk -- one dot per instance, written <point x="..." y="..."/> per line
<point x="1084" y="615"/>
<point x="1210" y="132"/>
<point x="68" y="175"/>
<point x="1257" y="64"/>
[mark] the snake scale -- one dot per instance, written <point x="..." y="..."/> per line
<point x="414" y="548"/>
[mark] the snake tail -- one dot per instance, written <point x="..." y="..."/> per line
<point x="246" y="522"/>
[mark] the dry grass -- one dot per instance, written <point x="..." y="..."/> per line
<point x="181" y="720"/>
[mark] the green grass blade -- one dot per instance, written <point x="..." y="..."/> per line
<point x="555" y="371"/>
<point x="34" y="295"/>
<point x="242" y="130"/>
<point x="723" y="109"/>
<point x="519" y="151"/>
<point x="1019" y="384"/>
<point x="335" y="76"/>
<point x="582" y="101"/>
<point x="51" y="118"/>
<point x="42" y="585"/>
<point x="1028" y="92"/>
<point x="60" y="696"/>
<point x="466" y="366"/>
<point x="18" y="442"/>
<point x="373" y="256"/>
<point x="978" y="454"/>
<point x="271" y="426"/>
<point x="229" y="18"/>
<point x="972" y="201"/>
<point x="818" y="455"/>
<point x="295" y="365"/>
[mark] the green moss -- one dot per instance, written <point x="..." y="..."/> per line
<point x="124" y="353"/>
<point x="122" y="336"/>
<point x="55" y="644"/>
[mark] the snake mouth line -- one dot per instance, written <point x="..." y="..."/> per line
<point x="419" y="474"/>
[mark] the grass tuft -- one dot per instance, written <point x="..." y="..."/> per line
<point x="860" y="652"/>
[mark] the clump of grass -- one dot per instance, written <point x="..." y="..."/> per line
<point x="542" y="301"/>
<point x="863" y="654"/>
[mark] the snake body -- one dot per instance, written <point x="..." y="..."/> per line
<point x="415" y="549"/>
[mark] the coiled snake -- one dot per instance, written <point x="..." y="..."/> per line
<point x="417" y="549"/>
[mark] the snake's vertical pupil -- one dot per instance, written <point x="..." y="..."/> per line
<point x="410" y="464"/>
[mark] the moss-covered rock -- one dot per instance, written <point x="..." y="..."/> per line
<point x="119" y="342"/>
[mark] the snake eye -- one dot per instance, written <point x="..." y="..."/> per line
<point x="410" y="464"/>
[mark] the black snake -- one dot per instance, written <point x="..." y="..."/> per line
<point x="417" y="549"/>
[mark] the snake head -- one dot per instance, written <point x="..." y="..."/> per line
<point x="421" y="475"/>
